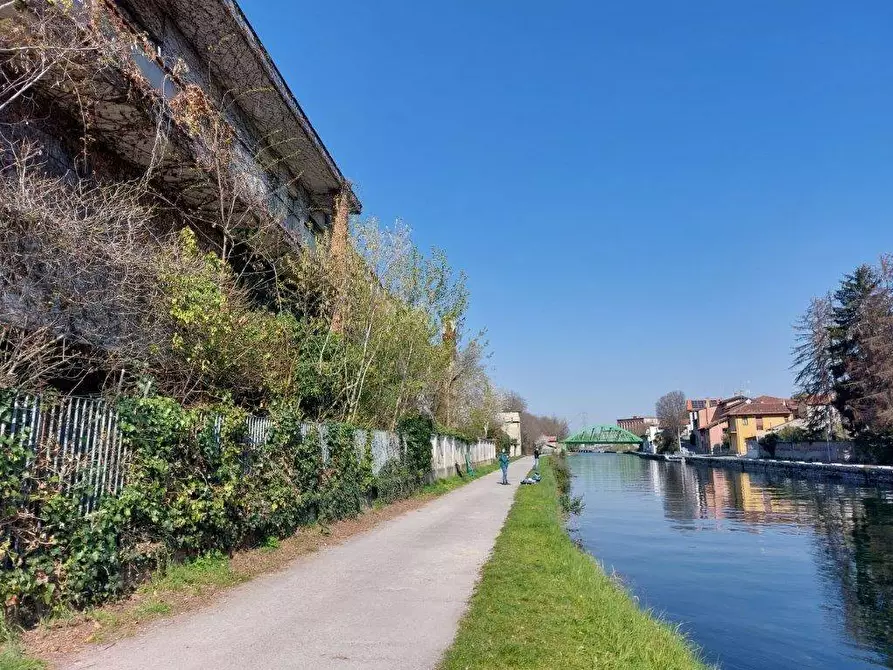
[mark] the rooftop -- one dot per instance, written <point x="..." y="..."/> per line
<point x="764" y="406"/>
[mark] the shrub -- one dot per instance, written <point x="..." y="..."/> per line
<point x="569" y="504"/>
<point x="416" y="431"/>
<point x="394" y="481"/>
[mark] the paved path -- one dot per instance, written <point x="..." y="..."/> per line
<point x="390" y="598"/>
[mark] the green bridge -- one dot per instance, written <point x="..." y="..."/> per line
<point x="602" y="435"/>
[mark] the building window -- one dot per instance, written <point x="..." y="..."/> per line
<point x="152" y="71"/>
<point x="759" y="423"/>
<point x="745" y="421"/>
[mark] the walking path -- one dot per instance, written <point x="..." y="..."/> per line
<point x="390" y="598"/>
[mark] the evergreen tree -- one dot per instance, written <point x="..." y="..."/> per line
<point x="847" y="346"/>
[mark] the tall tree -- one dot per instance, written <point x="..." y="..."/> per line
<point x="872" y="372"/>
<point x="812" y="360"/>
<point x="672" y="413"/>
<point x="846" y="348"/>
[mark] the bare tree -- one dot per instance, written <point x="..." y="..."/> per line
<point x="812" y="359"/>
<point x="672" y="413"/>
<point x="512" y="401"/>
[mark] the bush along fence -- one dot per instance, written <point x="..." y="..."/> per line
<point x="94" y="496"/>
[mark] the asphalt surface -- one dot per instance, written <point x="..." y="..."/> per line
<point x="390" y="598"/>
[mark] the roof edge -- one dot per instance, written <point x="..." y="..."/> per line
<point x="285" y="92"/>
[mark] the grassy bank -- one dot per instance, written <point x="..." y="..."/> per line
<point x="544" y="603"/>
<point x="186" y="586"/>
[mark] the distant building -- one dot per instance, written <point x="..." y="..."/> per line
<point x="638" y="425"/>
<point x="710" y="424"/>
<point x="695" y="406"/>
<point x="546" y="443"/>
<point x="511" y="426"/>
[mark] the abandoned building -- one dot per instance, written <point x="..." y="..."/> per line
<point x="186" y="50"/>
<point x="177" y="94"/>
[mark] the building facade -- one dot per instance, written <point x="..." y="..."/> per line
<point x="638" y="425"/>
<point x="173" y="83"/>
<point x="755" y="418"/>
<point x="511" y="426"/>
<point x="711" y="425"/>
<point x="174" y="111"/>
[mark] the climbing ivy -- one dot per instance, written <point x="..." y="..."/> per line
<point x="343" y="493"/>
<point x="187" y="487"/>
<point x="416" y="431"/>
<point x="51" y="553"/>
<point x="195" y="484"/>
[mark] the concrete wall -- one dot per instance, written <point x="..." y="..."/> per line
<point x="818" y="452"/>
<point x="446" y="452"/>
<point x="870" y="474"/>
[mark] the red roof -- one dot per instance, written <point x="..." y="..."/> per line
<point x="764" y="406"/>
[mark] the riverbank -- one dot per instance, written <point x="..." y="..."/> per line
<point x="189" y="586"/>
<point x="543" y="603"/>
<point x="854" y="472"/>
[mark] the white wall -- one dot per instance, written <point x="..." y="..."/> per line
<point x="447" y="451"/>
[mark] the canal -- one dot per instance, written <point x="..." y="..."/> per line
<point x="761" y="571"/>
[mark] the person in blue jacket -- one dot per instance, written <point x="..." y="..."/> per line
<point x="504" y="464"/>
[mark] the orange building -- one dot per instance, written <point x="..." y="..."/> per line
<point x="755" y="418"/>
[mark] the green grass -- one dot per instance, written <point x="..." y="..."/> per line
<point x="11" y="658"/>
<point x="544" y="603"/>
<point x="210" y="570"/>
<point x="11" y="655"/>
<point x="448" y="484"/>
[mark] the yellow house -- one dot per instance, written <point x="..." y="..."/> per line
<point x="754" y="418"/>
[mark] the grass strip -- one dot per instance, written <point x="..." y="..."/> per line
<point x="441" y="486"/>
<point x="543" y="603"/>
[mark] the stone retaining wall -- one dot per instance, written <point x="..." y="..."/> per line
<point x="863" y="474"/>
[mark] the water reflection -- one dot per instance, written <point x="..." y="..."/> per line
<point x="813" y="588"/>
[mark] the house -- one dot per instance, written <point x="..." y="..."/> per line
<point x="710" y="425"/>
<point x="547" y="444"/>
<point x="755" y="417"/>
<point x="694" y="406"/>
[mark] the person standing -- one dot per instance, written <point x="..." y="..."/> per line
<point x="504" y="464"/>
<point x="536" y="458"/>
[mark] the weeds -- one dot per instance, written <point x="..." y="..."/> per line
<point x="570" y="505"/>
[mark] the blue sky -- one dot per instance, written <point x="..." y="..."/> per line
<point x="644" y="194"/>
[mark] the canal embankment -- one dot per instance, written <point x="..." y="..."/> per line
<point x="854" y="472"/>
<point x="542" y="602"/>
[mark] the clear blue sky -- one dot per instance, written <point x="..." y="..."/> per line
<point x="644" y="194"/>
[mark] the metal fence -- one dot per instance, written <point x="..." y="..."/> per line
<point x="81" y="442"/>
<point x="78" y="439"/>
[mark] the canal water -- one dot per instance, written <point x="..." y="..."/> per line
<point x="761" y="571"/>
